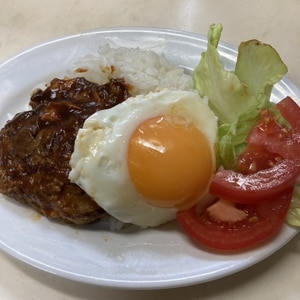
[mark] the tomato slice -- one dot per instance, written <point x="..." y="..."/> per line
<point x="274" y="138"/>
<point x="263" y="221"/>
<point x="255" y="158"/>
<point x="254" y="188"/>
<point x="290" y="111"/>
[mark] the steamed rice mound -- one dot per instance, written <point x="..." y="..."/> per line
<point x="144" y="70"/>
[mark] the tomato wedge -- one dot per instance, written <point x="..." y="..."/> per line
<point x="263" y="221"/>
<point x="282" y="141"/>
<point x="263" y="185"/>
<point x="290" y="111"/>
<point x="255" y="158"/>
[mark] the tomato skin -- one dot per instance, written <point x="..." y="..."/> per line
<point x="257" y="187"/>
<point x="274" y="138"/>
<point x="290" y="111"/>
<point x="264" y="221"/>
<point x="254" y="158"/>
<point x="269" y="142"/>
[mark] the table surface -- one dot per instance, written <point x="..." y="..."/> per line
<point x="27" y="23"/>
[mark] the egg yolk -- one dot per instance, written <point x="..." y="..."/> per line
<point x="170" y="162"/>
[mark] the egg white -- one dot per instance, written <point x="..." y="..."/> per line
<point x="99" y="160"/>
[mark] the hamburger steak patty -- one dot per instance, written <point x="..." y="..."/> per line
<point x="36" y="146"/>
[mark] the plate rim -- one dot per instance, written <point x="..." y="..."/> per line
<point x="170" y="283"/>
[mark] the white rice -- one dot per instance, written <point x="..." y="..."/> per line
<point x="145" y="70"/>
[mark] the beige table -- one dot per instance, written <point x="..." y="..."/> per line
<point x="27" y="23"/>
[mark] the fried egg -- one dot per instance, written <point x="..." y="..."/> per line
<point x="147" y="157"/>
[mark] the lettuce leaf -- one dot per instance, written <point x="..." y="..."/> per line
<point x="293" y="215"/>
<point x="231" y="93"/>
<point x="236" y="96"/>
<point x="232" y="138"/>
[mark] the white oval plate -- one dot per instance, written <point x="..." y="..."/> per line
<point x="146" y="259"/>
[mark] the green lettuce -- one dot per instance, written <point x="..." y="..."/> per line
<point x="237" y="96"/>
<point x="293" y="215"/>
<point x="232" y="138"/>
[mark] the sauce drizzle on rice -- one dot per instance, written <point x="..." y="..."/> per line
<point x="144" y="69"/>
